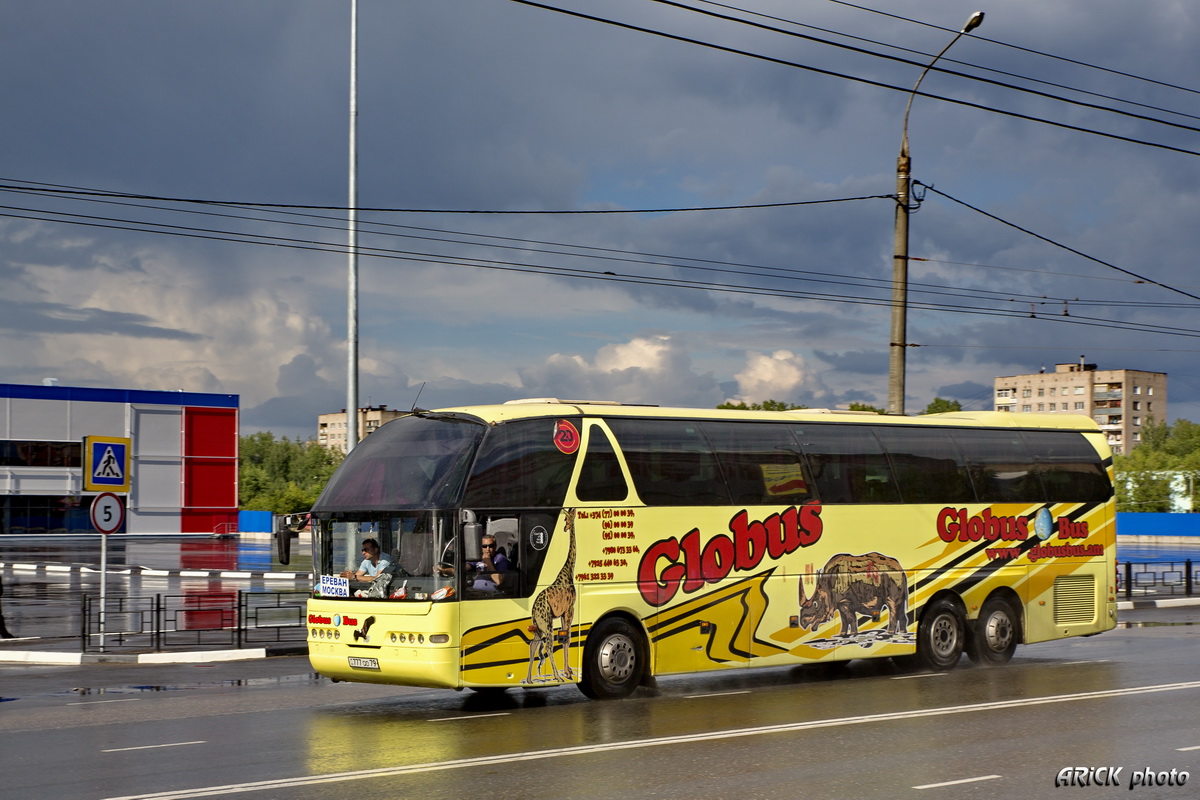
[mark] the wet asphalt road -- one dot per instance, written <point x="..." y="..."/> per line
<point x="1125" y="700"/>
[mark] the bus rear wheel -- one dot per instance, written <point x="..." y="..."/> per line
<point x="940" y="636"/>
<point x="994" y="638"/>
<point x="613" y="660"/>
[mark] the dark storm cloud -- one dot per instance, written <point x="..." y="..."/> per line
<point x="491" y="105"/>
<point x="32" y="318"/>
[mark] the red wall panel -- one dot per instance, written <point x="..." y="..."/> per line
<point x="210" y="432"/>
<point x="210" y="480"/>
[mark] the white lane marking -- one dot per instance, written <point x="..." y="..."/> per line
<point x="1186" y="749"/>
<point x="150" y="746"/>
<point x="470" y="716"/>
<point x="920" y="675"/>
<point x="956" y="783"/>
<point x="714" y="694"/>
<point x="562" y="752"/>
<point x="98" y="702"/>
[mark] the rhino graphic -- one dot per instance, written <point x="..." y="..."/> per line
<point x="853" y="585"/>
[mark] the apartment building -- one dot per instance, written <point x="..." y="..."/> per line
<point x="331" y="428"/>
<point x="1120" y="400"/>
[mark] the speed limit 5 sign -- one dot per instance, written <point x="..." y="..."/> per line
<point x="108" y="512"/>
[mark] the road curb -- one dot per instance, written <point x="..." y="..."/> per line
<point x="148" y="572"/>
<point x="1166" y="602"/>
<point x="49" y="658"/>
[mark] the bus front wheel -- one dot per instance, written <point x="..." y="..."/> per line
<point x="940" y="636"/>
<point x="994" y="638"/>
<point x="613" y="660"/>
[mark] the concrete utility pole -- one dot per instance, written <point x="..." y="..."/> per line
<point x="899" y="339"/>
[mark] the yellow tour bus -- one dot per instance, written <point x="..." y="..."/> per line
<point x="544" y="542"/>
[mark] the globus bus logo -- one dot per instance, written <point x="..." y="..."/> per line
<point x="671" y="564"/>
<point x="954" y="524"/>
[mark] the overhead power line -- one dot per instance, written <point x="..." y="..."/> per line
<point x="906" y="90"/>
<point x="1019" y="47"/>
<point x="925" y="57"/>
<point x="571" y="250"/>
<point x="565" y="212"/>
<point x="607" y="275"/>
<point x="1048" y="240"/>
<point x="947" y="59"/>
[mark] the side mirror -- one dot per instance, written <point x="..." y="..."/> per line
<point x="472" y="533"/>
<point x="287" y="528"/>
<point x="283" y="545"/>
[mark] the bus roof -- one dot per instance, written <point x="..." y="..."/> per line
<point x="553" y="407"/>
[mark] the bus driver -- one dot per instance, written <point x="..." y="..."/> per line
<point x="487" y="575"/>
<point x="372" y="565"/>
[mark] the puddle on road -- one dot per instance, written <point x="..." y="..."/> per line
<point x="1148" y="624"/>
<point x="308" y="679"/>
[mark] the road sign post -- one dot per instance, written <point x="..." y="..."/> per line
<point x="108" y="514"/>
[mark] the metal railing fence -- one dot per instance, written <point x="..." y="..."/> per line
<point x="1157" y="578"/>
<point x="232" y="619"/>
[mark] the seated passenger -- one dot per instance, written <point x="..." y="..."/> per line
<point x="485" y="576"/>
<point x="373" y="564"/>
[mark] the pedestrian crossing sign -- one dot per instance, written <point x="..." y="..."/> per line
<point x="105" y="464"/>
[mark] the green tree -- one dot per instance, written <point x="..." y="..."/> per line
<point x="282" y="476"/>
<point x="1143" y="476"/>
<point x="766" y="405"/>
<point x="867" y="407"/>
<point x="941" y="405"/>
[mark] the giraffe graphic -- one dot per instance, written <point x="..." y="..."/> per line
<point x="556" y="601"/>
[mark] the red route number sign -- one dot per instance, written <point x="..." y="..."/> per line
<point x="108" y="512"/>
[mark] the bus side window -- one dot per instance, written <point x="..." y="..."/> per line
<point x="670" y="461"/>
<point x="520" y="466"/>
<point x="1068" y="466"/>
<point x="600" y="479"/>
<point x="1000" y="466"/>
<point x="927" y="465"/>
<point x="848" y="464"/>
<point x="762" y="463"/>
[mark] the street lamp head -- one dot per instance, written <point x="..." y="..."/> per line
<point x="974" y="22"/>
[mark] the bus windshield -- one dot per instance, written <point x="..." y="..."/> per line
<point x="387" y="512"/>
<point x="414" y="462"/>
<point x="413" y="550"/>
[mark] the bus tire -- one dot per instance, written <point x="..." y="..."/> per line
<point x="941" y="636"/>
<point x="613" y="660"/>
<point x="994" y="637"/>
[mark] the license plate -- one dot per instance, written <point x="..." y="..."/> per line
<point x="364" y="663"/>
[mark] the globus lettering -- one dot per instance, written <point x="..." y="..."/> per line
<point x="954" y="524"/>
<point x="690" y="567"/>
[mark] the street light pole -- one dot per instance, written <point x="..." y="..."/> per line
<point x="899" y="338"/>
<point x="352" y="245"/>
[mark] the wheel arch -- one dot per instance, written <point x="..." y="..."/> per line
<point x="943" y="594"/>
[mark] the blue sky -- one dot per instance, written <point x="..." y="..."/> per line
<point x="500" y="106"/>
